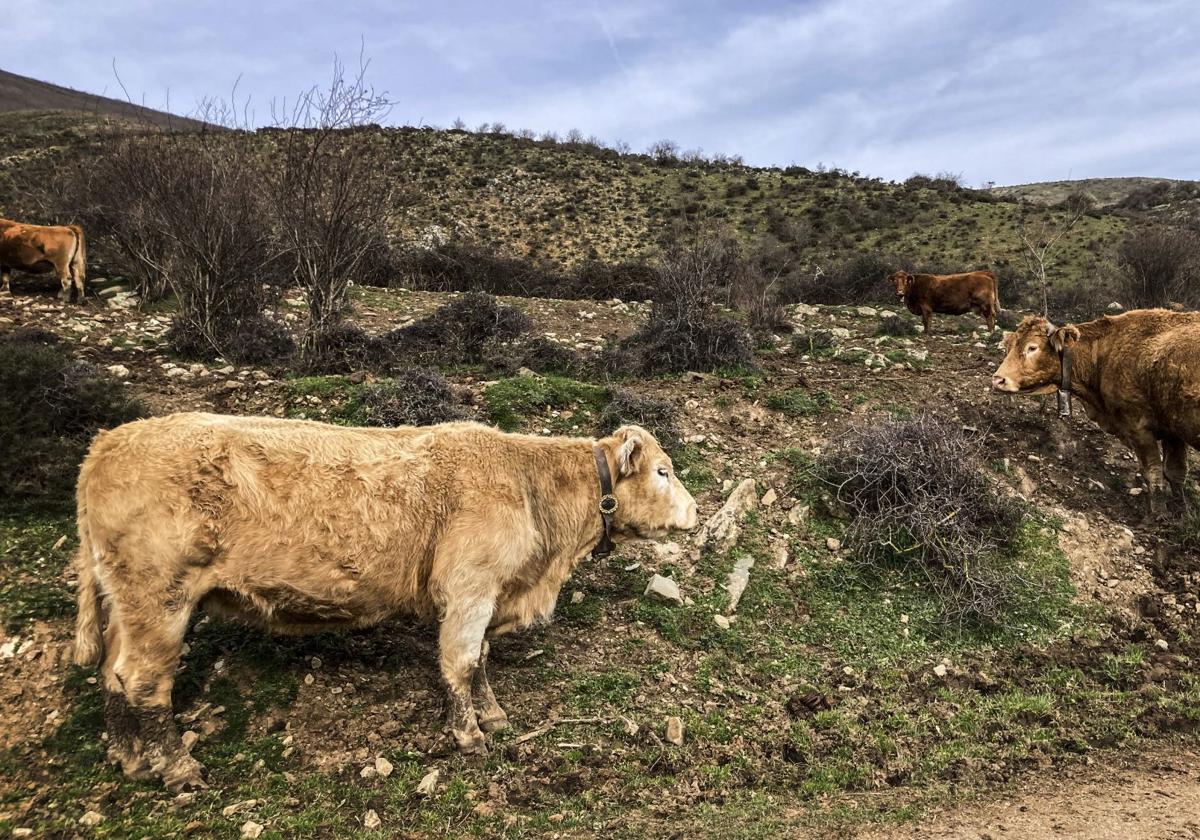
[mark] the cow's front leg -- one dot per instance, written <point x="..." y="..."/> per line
<point x="1176" y="468"/>
<point x="927" y="319"/>
<point x="492" y="718"/>
<point x="461" y="642"/>
<point x="5" y="282"/>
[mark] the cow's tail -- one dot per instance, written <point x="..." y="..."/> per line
<point x="79" y="258"/>
<point x="89" y="638"/>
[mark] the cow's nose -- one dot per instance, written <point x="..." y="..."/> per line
<point x="998" y="382"/>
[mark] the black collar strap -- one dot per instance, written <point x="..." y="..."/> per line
<point x="608" y="503"/>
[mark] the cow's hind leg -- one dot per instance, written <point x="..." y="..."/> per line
<point x="492" y="717"/>
<point x="153" y="626"/>
<point x="124" y="742"/>
<point x="461" y="643"/>
<point x="1145" y="446"/>
<point x="1175" y="467"/>
<point x="67" y="283"/>
<point x="5" y="282"/>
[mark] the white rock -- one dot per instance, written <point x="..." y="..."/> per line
<point x="721" y="532"/>
<point x="768" y="498"/>
<point x="798" y="515"/>
<point x="735" y="585"/>
<point x="428" y="783"/>
<point x="939" y="670"/>
<point x="867" y="311"/>
<point x="664" y="589"/>
<point x="839" y="332"/>
<point x="244" y="805"/>
<point x="576" y="597"/>
<point x="721" y="621"/>
<point x="1161" y="644"/>
<point x="675" y="731"/>
<point x="252" y="830"/>
<point x="383" y="767"/>
<point x="368" y="772"/>
<point x="119" y="371"/>
<point x="833" y="544"/>
<point x="371" y="820"/>
<point x="91" y="819"/>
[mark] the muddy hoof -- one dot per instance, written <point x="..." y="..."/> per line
<point x="495" y="723"/>
<point x="133" y="766"/>
<point x="185" y="775"/>
<point x="471" y="746"/>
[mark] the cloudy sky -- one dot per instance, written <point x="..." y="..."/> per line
<point x="998" y="90"/>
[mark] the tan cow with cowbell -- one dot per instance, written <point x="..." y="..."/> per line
<point x="1137" y="374"/>
<point x="41" y="248"/>
<point x="296" y="527"/>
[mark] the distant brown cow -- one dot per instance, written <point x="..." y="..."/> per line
<point x="949" y="294"/>
<point x="41" y="248"/>
<point x="1138" y="375"/>
<point x="298" y="527"/>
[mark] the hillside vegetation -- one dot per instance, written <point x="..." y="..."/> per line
<point x="564" y="204"/>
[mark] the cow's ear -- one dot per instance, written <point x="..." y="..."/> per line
<point x="1064" y="337"/>
<point x="1010" y="338"/>
<point x="630" y="449"/>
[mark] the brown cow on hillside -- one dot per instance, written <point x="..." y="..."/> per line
<point x="42" y="248"/>
<point x="297" y="527"/>
<point x="949" y="294"/>
<point x="1138" y="375"/>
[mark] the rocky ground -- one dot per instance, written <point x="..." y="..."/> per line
<point x="826" y="701"/>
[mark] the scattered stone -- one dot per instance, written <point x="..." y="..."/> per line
<point x="721" y="621"/>
<point x="664" y="589"/>
<point x="244" y="805"/>
<point x="939" y="670"/>
<point x="839" y="332"/>
<point x="371" y="820"/>
<point x="1115" y="307"/>
<point x="721" y="532"/>
<point x="867" y="311"/>
<point x="1161" y="644"/>
<point x="675" y="731"/>
<point x="781" y="555"/>
<point x="383" y="767"/>
<point x="119" y="371"/>
<point x="576" y="597"/>
<point x="735" y="585"/>
<point x="428" y="783"/>
<point x="798" y="515"/>
<point x="252" y="830"/>
<point x="768" y="498"/>
<point x="91" y="819"/>
<point x="833" y="544"/>
<point x="368" y="772"/>
<point x="22" y="832"/>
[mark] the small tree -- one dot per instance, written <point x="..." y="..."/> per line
<point x="1040" y="242"/>
<point x="330" y="203"/>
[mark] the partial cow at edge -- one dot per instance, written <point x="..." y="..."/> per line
<point x="296" y="527"/>
<point x="1137" y="374"/>
<point x="40" y="248"/>
<point x="948" y="294"/>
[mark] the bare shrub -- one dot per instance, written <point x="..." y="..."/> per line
<point x="328" y="198"/>
<point x="664" y="152"/>
<point x="685" y="330"/>
<point x="860" y="278"/>
<point x="658" y="416"/>
<point x="52" y="406"/>
<point x="813" y="342"/>
<point x="896" y="326"/>
<point x="412" y="397"/>
<point x="755" y="293"/>
<point x="1160" y="266"/>
<point x="457" y="332"/>
<point x="918" y="497"/>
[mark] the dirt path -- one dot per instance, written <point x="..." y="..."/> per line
<point x="1148" y="797"/>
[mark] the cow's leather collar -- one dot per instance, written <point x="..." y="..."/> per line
<point x="608" y="503"/>
<point x="1066" y="361"/>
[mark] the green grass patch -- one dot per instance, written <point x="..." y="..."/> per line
<point x="519" y="402"/>
<point x="800" y="402"/>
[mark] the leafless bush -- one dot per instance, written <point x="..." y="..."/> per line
<point x="755" y="292"/>
<point x="1159" y="266"/>
<point x="896" y="326"/>
<point x="329" y="201"/>
<point x="458" y="331"/>
<point x="658" y="416"/>
<point x="664" y="152"/>
<point x="917" y="496"/>
<point x="413" y="397"/>
<point x="685" y="330"/>
<point x="861" y="278"/>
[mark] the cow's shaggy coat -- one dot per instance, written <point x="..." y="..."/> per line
<point x="1137" y="375"/>
<point x="296" y="526"/>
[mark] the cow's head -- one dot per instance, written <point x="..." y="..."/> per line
<point x="651" y="500"/>
<point x="901" y="280"/>
<point x="1033" y="357"/>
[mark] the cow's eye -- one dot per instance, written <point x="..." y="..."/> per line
<point x="1030" y="349"/>
<point x="664" y="472"/>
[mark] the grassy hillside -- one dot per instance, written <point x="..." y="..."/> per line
<point x="565" y="203"/>
<point x="1107" y="192"/>
<point x="20" y="93"/>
